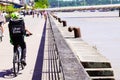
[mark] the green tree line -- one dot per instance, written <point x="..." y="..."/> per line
<point x="41" y="4"/>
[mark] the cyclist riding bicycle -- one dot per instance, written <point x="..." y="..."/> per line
<point x="17" y="32"/>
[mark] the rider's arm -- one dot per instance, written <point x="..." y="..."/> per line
<point x="27" y="31"/>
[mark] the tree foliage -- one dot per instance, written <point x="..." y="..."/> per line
<point x="41" y="4"/>
<point x="8" y="9"/>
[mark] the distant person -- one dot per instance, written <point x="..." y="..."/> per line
<point x="24" y="13"/>
<point x="2" y="21"/>
<point x="38" y="14"/>
<point x="17" y="31"/>
<point x="33" y="13"/>
<point x="45" y="14"/>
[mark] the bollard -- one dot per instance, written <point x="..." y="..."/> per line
<point x="76" y="31"/>
<point x="55" y="17"/>
<point x="64" y="23"/>
<point x="70" y="29"/>
<point x="59" y="20"/>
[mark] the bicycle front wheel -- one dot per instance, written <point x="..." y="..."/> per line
<point x="16" y="64"/>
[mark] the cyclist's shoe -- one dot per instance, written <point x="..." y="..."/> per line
<point x="23" y="62"/>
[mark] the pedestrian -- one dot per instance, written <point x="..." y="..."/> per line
<point x="33" y="13"/>
<point x="24" y="13"/>
<point x="45" y="14"/>
<point x="37" y="13"/>
<point x="2" y="22"/>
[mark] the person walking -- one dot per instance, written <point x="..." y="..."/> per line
<point x="45" y="14"/>
<point x="2" y="22"/>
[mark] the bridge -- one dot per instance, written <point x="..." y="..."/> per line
<point x="16" y="5"/>
<point x="81" y="8"/>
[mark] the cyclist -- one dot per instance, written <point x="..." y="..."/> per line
<point x="17" y="32"/>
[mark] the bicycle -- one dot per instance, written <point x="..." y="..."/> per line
<point x="17" y="63"/>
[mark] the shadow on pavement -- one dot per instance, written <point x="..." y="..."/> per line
<point x="37" y="74"/>
<point x="8" y="74"/>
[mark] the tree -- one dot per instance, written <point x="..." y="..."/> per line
<point x="8" y="8"/>
<point x="41" y="4"/>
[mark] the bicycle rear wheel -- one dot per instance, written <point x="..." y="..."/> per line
<point x="16" y="63"/>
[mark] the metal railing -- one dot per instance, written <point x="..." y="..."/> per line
<point x="69" y="67"/>
<point x="54" y="63"/>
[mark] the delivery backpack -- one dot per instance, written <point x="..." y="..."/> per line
<point x="16" y="27"/>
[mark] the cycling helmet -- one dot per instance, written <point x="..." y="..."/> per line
<point x="15" y="15"/>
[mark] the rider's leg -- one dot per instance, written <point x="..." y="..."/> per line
<point x="15" y="48"/>
<point x="23" y="56"/>
<point x="23" y="46"/>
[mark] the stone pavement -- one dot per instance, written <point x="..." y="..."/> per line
<point x="35" y="25"/>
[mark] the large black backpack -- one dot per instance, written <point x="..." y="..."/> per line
<point x="16" y="27"/>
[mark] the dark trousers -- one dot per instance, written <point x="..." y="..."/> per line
<point x="19" y="41"/>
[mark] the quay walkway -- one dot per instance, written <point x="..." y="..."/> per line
<point x="97" y="66"/>
<point x="54" y="54"/>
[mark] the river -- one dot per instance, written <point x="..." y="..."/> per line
<point x="100" y="29"/>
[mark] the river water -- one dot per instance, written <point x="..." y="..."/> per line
<point x="100" y="29"/>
